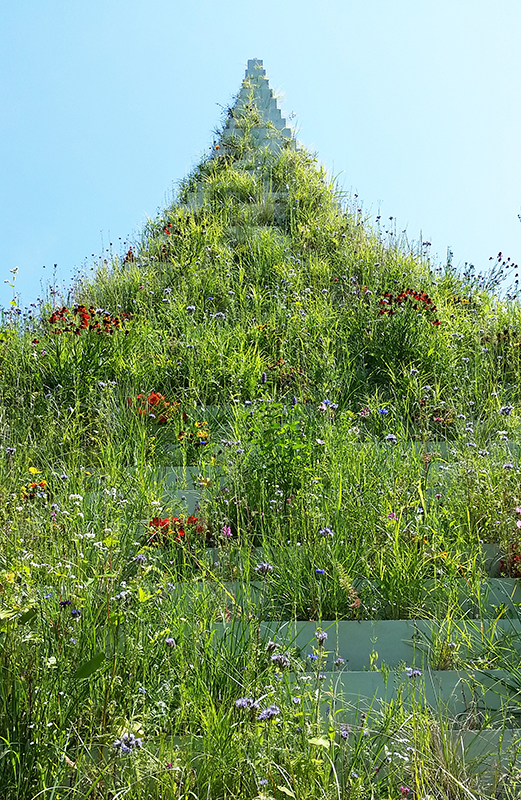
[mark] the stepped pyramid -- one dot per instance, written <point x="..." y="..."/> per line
<point x="297" y="587"/>
<point x="256" y="112"/>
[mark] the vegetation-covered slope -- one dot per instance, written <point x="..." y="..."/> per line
<point x="333" y="399"/>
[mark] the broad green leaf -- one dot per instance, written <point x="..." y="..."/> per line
<point x="286" y="791"/>
<point x="89" y="667"/>
<point x="28" y="616"/>
<point x="142" y="595"/>
<point x="320" y="741"/>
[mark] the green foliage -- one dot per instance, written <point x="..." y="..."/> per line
<point x="223" y="430"/>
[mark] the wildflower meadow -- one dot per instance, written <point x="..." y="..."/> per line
<point x="261" y="508"/>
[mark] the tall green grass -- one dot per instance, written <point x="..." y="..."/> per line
<point x="350" y="464"/>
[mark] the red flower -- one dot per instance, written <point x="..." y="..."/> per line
<point x="157" y="522"/>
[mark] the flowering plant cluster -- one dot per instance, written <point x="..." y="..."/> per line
<point x="79" y="319"/>
<point x="176" y="529"/>
<point x="510" y="567"/>
<point x="33" y="490"/>
<point x="199" y="435"/>
<point x="155" y="406"/>
<point x="418" y="301"/>
<point x="129" y="256"/>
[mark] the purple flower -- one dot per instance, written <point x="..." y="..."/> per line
<point x="319" y="571"/>
<point x="327" y="532"/>
<point x="226" y="532"/>
<point x="321" y="637"/>
<point x="413" y="673"/>
<point x="280" y="660"/>
<point x="264" y="377"/>
<point x="244" y="703"/>
<point x="269" y="713"/>
<point x="75" y="613"/>
<point x="140" y="558"/>
<point x="127" y="744"/>
<point x="264" y="568"/>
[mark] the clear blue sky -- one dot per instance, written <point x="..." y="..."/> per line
<point x="105" y="104"/>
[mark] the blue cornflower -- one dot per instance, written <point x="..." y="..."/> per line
<point x="383" y="411"/>
<point x="140" y="558"/>
<point x="75" y="613"/>
<point x="319" y="571"/>
<point x="312" y="656"/>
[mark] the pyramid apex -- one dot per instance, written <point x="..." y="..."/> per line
<point x="256" y="111"/>
<point x="255" y="68"/>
